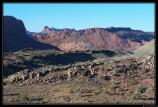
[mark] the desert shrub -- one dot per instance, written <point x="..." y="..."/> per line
<point x="142" y="89"/>
<point x="97" y="93"/>
<point x="137" y="93"/>
<point x="71" y="90"/>
<point x="25" y="98"/>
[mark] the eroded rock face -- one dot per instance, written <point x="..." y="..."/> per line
<point x="15" y="36"/>
<point x="94" y="38"/>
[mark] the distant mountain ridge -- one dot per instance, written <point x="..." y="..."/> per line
<point x="113" y="38"/>
<point x="16" y="37"/>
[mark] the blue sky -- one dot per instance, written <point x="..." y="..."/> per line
<point x="80" y="16"/>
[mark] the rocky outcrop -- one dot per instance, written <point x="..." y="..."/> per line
<point x="115" y="68"/>
<point x="15" y="36"/>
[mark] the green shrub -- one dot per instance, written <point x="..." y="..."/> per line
<point x="25" y="98"/>
<point x="141" y="89"/>
<point x="97" y="93"/>
<point x="71" y="90"/>
<point x="137" y="93"/>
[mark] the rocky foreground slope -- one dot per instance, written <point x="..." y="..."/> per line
<point x="113" y="80"/>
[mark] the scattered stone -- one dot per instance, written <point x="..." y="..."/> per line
<point x="24" y="77"/>
<point x="105" y="77"/>
<point x="13" y="78"/>
<point x="67" y="99"/>
<point x="32" y="75"/>
<point x="46" y="72"/>
<point x="39" y="74"/>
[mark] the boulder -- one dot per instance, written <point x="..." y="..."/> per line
<point x="39" y="74"/>
<point x="46" y="72"/>
<point x="24" y="77"/>
<point x="32" y="75"/>
<point x="72" y="73"/>
<point x="105" y="77"/>
<point x="13" y="78"/>
<point x="82" y="72"/>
